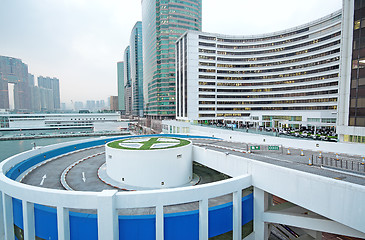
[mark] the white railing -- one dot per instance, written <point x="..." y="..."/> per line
<point x="108" y="202"/>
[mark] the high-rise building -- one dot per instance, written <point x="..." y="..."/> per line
<point x="54" y="85"/>
<point x="351" y="109"/>
<point x="78" y="106"/>
<point x="120" y="75"/>
<point x="163" y="22"/>
<point x="275" y="80"/>
<point x="47" y="99"/>
<point x="15" y="73"/>
<point x="127" y="82"/>
<point x="90" y="105"/>
<point x="136" y="69"/>
<point x="114" y="103"/>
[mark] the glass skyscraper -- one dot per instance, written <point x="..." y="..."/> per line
<point x="136" y="69"/>
<point x="120" y="74"/>
<point x="163" y="22"/>
<point x="351" y="110"/>
<point x="127" y="82"/>
<point x="357" y="92"/>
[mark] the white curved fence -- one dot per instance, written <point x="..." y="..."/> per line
<point x="108" y="202"/>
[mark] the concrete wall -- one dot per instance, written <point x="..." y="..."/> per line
<point x="150" y="168"/>
<point x="340" y="201"/>
<point x="237" y="136"/>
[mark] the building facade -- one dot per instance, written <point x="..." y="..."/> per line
<point x="52" y="84"/>
<point x="351" y="119"/>
<point x="136" y="69"/>
<point x="120" y="75"/>
<point x="290" y="75"/>
<point x="114" y="103"/>
<point x="14" y="78"/>
<point x="164" y="21"/>
<point x="127" y="82"/>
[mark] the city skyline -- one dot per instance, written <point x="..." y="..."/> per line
<point x="82" y="40"/>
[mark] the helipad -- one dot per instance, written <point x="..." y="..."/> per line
<point x="149" y="143"/>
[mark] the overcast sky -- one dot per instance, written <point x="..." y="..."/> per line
<point x="80" y="41"/>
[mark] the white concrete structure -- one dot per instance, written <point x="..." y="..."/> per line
<point x="171" y="126"/>
<point x="165" y="164"/>
<point x="288" y="75"/>
<point x="331" y="205"/>
<point x="36" y="121"/>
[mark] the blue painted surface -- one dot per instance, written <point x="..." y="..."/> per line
<point x="18" y="169"/>
<point x="178" y="226"/>
<point x="184" y="225"/>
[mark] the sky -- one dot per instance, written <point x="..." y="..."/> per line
<point x="81" y="41"/>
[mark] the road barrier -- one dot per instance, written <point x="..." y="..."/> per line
<point x="348" y="164"/>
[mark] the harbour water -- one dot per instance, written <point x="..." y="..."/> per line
<point x="10" y="148"/>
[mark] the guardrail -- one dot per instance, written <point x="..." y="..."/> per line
<point x="107" y="203"/>
<point x="339" y="163"/>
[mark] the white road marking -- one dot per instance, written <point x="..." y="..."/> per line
<point x="83" y="177"/>
<point x="44" y="177"/>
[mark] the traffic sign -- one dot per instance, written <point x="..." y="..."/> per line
<point x="255" y="147"/>
<point x="273" y="147"/>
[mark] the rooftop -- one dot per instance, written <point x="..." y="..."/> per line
<point x="148" y="143"/>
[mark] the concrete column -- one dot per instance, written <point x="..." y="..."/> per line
<point x="8" y="217"/>
<point x="319" y="235"/>
<point x="203" y="219"/>
<point x="159" y="223"/>
<point x="2" y="229"/>
<point x="28" y="220"/>
<point x="63" y="223"/>
<point x="237" y="215"/>
<point x="107" y="216"/>
<point x="260" y="205"/>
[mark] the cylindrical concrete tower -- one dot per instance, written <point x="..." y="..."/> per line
<point x="151" y="162"/>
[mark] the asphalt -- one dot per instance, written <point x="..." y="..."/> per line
<point x="330" y="168"/>
<point x="84" y="177"/>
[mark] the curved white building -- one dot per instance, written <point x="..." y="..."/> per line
<point x="288" y="75"/>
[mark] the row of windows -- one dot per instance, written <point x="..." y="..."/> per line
<point x="206" y="83"/>
<point x="290" y="118"/>
<point x="206" y="64"/>
<point x="334" y="59"/>
<point x="193" y="3"/>
<point x="276" y="82"/>
<point x="335" y="43"/>
<point x="270" y="109"/>
<point x="269" y="102"/>
<point x="264" y="38"/>
<point x="272" y="63"/>
<point x="273" y="76"/>
<point x="275" y="89"/>
<point x="233" y="114"/>
<point x="302" y="94"/>
<point x="279" y="49"/>
<point x="206" y="50"/>
<point x="263" y="45"/>
<point x="244" y="108"/>
<point x="206" y="57"/>
<point x="270" y="89"/>
<point x="207" y="44"/>
<point x="337" y="26"/>
<point x="184" y="8"/>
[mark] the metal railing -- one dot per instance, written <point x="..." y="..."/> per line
<point x="339" y="163"/>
